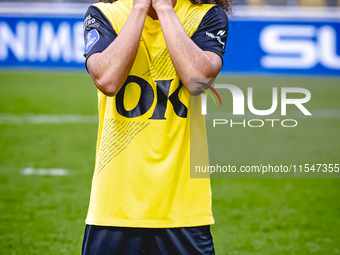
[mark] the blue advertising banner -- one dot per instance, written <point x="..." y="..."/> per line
<point x="297" y="46"/>
<point x="55" y="42"/>
<point x="287" y="47"/>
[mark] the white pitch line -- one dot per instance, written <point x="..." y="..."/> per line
<point x="43" y="171"/>
<point x="8" y="118"/>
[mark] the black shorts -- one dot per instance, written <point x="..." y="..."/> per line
<point x="101" y="240"/>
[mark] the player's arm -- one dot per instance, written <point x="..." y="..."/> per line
<point x="191" y="60"/>
<point x="110" y="68"/>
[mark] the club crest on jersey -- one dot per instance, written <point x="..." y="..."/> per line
<point x="91" y="38"/>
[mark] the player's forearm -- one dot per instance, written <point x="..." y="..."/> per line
<point x="188" y="59"/>
<point x="110" y="68"/>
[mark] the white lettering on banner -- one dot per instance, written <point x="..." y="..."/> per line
<point x="78" y="35"/>
<point x="303" y="51"/>
<point x="33" y="29"/>
<point x="14" y="41"/>
<point x="294" y="47"/>
<point x="29" y="42"/>
<point x="54" y="45"/>
<point x="327" y="43"/>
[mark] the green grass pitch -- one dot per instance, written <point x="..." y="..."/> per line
<point x="45" y="214"/>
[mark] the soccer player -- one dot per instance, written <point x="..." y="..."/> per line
<point x="141" y="55"/>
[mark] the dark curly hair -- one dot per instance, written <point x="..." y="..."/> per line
<point x="225" y="4"/>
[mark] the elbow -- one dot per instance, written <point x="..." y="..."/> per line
<point x="104" y="80"/>
<point x="107" y="86"/>
<point x="195" y="85"/>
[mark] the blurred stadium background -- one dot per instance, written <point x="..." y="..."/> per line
<point x="48" y="128"/>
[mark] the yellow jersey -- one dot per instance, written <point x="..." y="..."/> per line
<point x="142" y="170"/>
